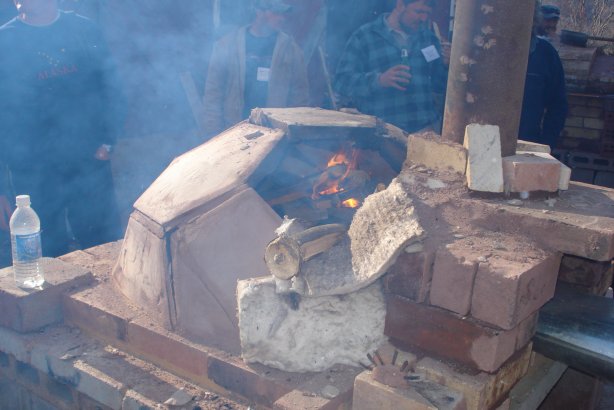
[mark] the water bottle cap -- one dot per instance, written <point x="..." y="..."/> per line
<point x="23" y="200"/>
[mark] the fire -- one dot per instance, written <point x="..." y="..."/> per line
<point x="338" y="168"/>
<point x="350" y="203"/>
<point x="338" y="159"/>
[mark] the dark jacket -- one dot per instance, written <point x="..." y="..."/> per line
<point x="544" y="107"/>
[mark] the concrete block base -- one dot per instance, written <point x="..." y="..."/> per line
<point x="310" y="334"/>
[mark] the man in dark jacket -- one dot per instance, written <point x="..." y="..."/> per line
<point x="58" y="121"/>
<point x="544" y="106"/>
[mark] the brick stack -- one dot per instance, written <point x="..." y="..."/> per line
<point x="466" y="305"/>
<point x="587" y="144"/>
<point x="474" y="315"/>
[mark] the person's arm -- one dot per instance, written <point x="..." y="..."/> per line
<point x="556" y="102"/>
<point x="215" y="88"/>
<point x="352" y="79"/>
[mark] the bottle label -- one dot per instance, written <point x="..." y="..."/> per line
<point x="28" y="247"/>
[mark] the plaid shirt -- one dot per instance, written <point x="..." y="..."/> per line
<point x="370" y="51"/>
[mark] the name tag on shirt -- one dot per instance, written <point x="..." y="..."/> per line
<point x="263" y="74"/>
<point x="430" y="53"/>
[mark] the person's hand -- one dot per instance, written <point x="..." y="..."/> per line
<point x="446" y="52"/>
<point x="396" y="77"/>
<point x="5" y="213"/>
<point x="103" y="153"/>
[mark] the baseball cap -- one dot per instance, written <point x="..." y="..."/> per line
<point x="276" y="6"/>
<point x="550" y="12"/>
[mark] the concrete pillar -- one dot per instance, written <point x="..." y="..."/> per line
<point x="490" y="50"/>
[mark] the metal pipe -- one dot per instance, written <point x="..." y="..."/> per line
<point x="490" y="50"/>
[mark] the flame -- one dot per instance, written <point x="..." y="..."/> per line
<point x="340" y="158"/>
<point x="350" y="203"/>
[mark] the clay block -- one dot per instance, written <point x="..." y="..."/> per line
<point x="530" y="172"/>
<point x="507" y="292"/>
<point x="29" y="310"/>
<point x="564" y="175"/>
<point x="484" y="169"/>
<point x="448" y="335"/>
<point x="482" y="390"/>
<point x="420" y="395"/>
<point x="453" y="276"/>
<point x="206" y="267"/>
<point x="429" y="150"/>
<point x="410" y="276"/>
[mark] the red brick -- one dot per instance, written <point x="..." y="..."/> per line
<point x="26" y="311"/>
<point x="448" y="335"/>
<point x="528" y="172"/>
<point x="82" y="312"/>
<point x="167" y="352"/>
<point x="526" y="330"/>
<point x="453" y="276"/>
<point x="410" y="276"/>
<point x="507" y="292"/>
<point x="234" y="375"/>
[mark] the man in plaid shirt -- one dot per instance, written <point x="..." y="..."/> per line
<point x="393" y="66"/>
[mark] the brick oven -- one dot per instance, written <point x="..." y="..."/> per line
<point x="205" y="222"/>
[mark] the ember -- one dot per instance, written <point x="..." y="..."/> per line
<point x="350" y="203"/>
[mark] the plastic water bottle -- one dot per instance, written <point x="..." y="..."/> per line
<point x="26" y="245"/>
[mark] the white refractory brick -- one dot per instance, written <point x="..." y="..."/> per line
<point x="484" y="165"/>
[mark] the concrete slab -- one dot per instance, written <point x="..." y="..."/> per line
<point x="580" y="221"/>
<point x="305" y="123"/>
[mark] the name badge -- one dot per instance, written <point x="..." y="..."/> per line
<point x="263" y="74"/>
<point x="430" y="53"/>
